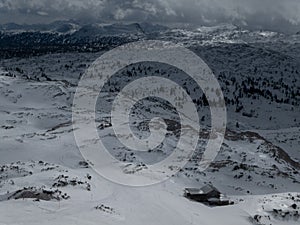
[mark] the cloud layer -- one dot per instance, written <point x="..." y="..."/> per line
<point x="276" y="14"/>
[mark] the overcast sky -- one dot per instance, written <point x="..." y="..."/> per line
<point x="265" y="14"/>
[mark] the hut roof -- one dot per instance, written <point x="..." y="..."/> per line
<point x="204" y="190"/>
<point x="208" y="189"/>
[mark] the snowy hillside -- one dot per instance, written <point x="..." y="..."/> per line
<point x="45" y="180"/>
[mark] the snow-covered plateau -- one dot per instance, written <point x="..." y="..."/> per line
<point x="44" y="179"/>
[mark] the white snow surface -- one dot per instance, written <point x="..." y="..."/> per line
<point x="257" y="167"/>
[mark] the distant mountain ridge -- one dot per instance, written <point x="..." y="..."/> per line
<point x="64" y="27"/>
<point x="62" y="36"/>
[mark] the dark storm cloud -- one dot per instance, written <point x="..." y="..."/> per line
<point x="275" y="14"/>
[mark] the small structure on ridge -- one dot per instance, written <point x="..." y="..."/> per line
<point x="208" y="195"/>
